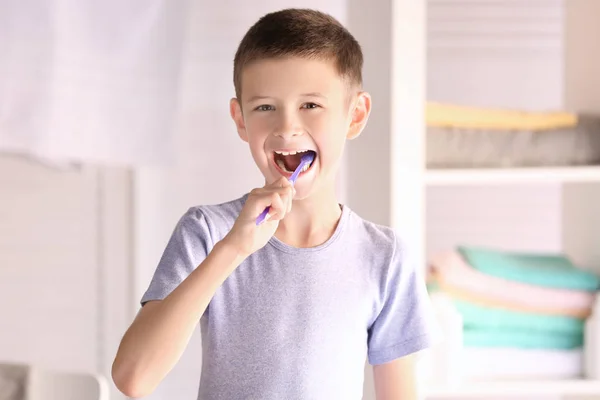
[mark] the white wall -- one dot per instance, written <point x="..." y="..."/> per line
<point x="518" y="217"/>
<point x="582" y="62"/>
<point x="369" y="155"/>
<point x="64" y="264"/>
<point x="48" y="266"/>
<point x="496" y="54"/>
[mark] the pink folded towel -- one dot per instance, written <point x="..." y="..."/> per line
<point x="457" y="277"/>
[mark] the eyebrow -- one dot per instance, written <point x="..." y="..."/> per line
<point x="254" y="98"/>
<point x="313" y="94"/>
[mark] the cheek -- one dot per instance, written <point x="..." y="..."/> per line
<point x="256" y="124"/>
<point x="331" y="136"/>
<point x="257" y="131"/>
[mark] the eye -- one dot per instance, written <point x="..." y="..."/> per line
<point x="265" y="107"/>
<point x="310" y="105"/>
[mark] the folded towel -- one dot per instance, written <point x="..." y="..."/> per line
<point x="476" y="316"/>
<point x="484" y="300"/>
<point x="454" y="275"/>
<point x="546" y="270"/>
<point x="520" y="339"/>
<point x="456" y="116"/>
<point x="513" y="363"/>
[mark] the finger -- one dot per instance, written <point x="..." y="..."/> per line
<point x="258" y="200"/>
<point x="291" y="198"/>
<point x="278" y="207"/>
<point x="287" y="195"/>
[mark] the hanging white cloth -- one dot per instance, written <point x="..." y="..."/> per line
<point x="90" y="81"/>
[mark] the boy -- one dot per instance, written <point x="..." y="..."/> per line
<point x="288" y="308"/>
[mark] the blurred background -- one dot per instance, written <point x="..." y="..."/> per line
<point x="483" y="150"/>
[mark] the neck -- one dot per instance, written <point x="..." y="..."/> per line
<point x="312" y="221"/>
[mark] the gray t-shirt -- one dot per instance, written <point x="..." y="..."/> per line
<point x="297" y="323"/>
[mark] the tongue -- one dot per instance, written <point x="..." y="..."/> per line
<point x="292" y="161"/>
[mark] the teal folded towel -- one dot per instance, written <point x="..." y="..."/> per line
<point x="520" y="339"/>
<point x="547" y="270"/>
<point x="475" y="316"/>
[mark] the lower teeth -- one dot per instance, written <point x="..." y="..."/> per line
<point x="283" y="167"/>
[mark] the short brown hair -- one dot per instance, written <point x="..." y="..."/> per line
<point x="301" y="33"/>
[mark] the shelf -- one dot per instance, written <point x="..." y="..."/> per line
<point x="446" y="177"/>
<point x="518" y="388"/>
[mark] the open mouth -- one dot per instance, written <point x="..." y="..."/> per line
<point x="288" y="161"/>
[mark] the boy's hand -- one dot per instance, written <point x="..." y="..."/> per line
<point x="245" y="236"/>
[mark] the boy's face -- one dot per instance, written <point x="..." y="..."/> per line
<point x="293" y="105"/>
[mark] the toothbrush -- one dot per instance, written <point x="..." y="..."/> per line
<point x="303" y="166"/>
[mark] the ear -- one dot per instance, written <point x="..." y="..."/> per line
<point x="235" y="109"/>
<point x="360" y="115"/>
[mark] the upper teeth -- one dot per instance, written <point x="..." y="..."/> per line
<point x="290" y="153"/>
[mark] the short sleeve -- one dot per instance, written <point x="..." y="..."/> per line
<point x="405" y="323"/>
<point x="187" y="247"/>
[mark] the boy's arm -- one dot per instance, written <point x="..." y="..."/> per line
<point x="160" y="333"/>
<point x="396" y="380"/>
<point x="404" y="327"/>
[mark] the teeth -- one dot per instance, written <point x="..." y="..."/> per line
<point x="291" y="152"/>
<point x="282" y="166"/>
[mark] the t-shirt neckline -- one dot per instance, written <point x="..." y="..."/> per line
<point x="275" y="242"/>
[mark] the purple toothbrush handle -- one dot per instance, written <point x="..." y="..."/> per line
<point x="260" y="219"/>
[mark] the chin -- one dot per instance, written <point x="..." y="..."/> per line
<point x="304" y="190"/>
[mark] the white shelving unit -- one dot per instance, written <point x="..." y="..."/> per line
<point x="564" y="201"/>
<point x="555" y="65"/>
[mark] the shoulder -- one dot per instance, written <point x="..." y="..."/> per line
<point x="224" y="211"/>
<point x="214" y="219"/>
<point x="383" y="239"/>
<point x="385" y="254"/>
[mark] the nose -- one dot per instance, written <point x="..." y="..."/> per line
<point x="289" y="126"/>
